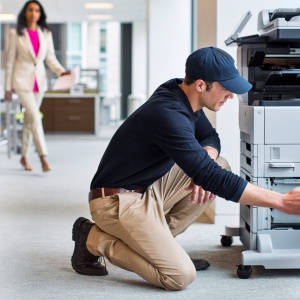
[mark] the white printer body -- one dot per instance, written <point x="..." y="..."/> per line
<point x="269" y="122"/>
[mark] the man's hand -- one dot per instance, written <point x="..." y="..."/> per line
<point x="199" y="195"/>
<point x="288" y="202"/>
<point x="291" y="202"/>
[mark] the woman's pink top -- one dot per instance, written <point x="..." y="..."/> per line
<point x="34" y="38"/>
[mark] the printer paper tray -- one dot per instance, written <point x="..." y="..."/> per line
<point x="268" y="169"/>
<point x="269" y="125"/>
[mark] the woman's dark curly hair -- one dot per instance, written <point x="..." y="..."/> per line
<point x="22" y="23"/>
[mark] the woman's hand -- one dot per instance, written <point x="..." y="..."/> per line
<point x="65" y="73"/>
<point x="8" y="95"/>
<point x="199" y="195"/>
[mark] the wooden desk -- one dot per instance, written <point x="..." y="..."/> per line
<point x="66" y="113"/>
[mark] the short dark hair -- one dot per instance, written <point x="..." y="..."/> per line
<point x="188" y="80"/>
<point x="22" y="23"/>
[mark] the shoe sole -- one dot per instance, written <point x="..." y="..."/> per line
<point x="75" y="238"/>
<point x="26" y="168"/>
<point x="203" y="267"/>
<point x="200" y="264"/>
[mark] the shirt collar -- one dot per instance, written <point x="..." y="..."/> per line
<point x="182" y="97"/>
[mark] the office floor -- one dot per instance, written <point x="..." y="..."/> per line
<point x="37" y="212"/>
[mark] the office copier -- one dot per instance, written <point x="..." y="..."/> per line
<point x="269" y="122"/>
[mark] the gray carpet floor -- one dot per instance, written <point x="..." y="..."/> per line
<point x="37" y="211"/>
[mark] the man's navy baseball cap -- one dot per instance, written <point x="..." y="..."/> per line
<point x="214" y="64"/>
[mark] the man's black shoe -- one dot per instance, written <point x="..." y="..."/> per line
<point x="83" y="262"/>
<point x="200" y="264"/>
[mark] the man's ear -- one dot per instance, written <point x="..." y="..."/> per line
<point x="200" y="85"/>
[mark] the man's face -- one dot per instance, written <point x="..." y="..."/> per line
<point x="215" y="97"/>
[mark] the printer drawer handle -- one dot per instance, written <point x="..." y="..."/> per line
<point x="282" y="165"/>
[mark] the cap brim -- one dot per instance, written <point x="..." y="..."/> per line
<point x="237" y="85"/>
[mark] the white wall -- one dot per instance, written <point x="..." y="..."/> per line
<point x="229" y="13"/>
<point x="169" y="40"/>
<point x="93" y="41"/>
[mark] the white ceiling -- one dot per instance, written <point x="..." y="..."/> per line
<point x="61" y="11"/>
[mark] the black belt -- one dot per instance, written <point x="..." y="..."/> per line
<point x="104" y="192"/>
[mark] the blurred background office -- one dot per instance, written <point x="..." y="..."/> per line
<point x="90" y="35"/>
<point x="126" y="49"/>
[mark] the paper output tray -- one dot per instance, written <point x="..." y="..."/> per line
<point x="284" y="78"/>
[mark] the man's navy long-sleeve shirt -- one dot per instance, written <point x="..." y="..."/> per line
<point x="164" y="131"/>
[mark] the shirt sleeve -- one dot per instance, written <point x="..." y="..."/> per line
<point x="175" y="135"/>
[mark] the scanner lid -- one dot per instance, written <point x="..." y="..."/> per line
<point x="241" y="25"/>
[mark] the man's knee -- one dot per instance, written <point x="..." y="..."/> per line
<point x="187" y="274"/>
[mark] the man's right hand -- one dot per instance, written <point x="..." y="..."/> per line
<point x="288" y="203"/>
<point x="8" y="95"/>
<point x="291" y="202"/>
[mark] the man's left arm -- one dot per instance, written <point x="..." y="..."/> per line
<point x="212" y="152"/>
<point x="199" y="195"/>
<point x="210" y="141"/>
<point x="207" y="136"/>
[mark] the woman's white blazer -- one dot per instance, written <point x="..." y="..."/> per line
<point x="22" y="65"/>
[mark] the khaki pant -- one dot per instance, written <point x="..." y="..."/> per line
<point x="32" y="126"/>
<point x="136" y="231"/>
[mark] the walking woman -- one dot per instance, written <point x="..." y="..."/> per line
<point x="30" y="44"/>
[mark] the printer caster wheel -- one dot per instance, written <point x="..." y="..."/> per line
<point x="226" y="240"/>
<point x="244" y="272"/>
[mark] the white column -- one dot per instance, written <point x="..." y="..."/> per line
<point x="93" y="42"/>
<point x="113" y="63"/>
<point x="169" y="40"/>
<point x="139" y="58"/>
<point x="84" y="43"/>
<point x="113" y="57"/>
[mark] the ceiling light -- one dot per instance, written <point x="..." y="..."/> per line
<point x="100" y="17"/>
<point x="98" y="6"/>
<point x="7" y="17"/>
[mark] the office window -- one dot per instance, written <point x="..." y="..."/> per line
<point x="74" y="45"/>
<point x="2" y="36"/>
<point x="102" y="40"/>
<point x="74" y="36"/>
<point x="103" y="74"/>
